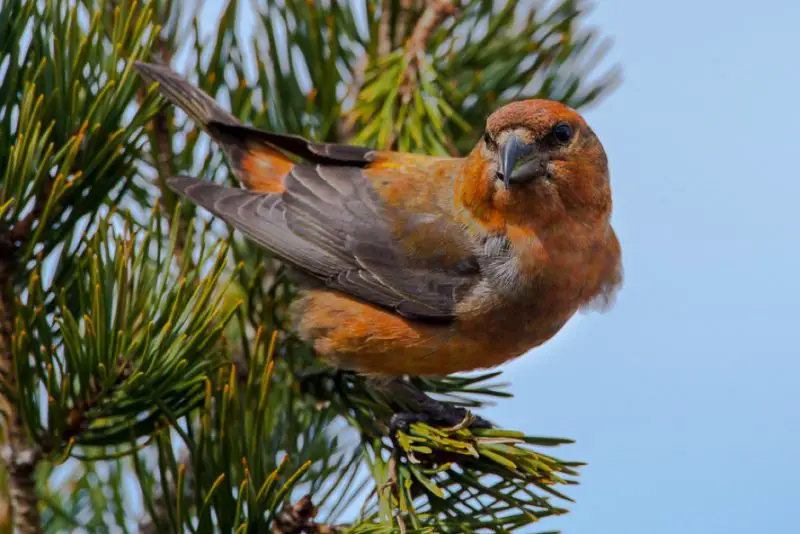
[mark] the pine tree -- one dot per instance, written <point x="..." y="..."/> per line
<point x="147" y="381"/>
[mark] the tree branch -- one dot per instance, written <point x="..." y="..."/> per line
<point x="434" y="15"/>
<point x="19" y="455"/>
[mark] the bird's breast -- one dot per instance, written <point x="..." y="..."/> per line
<point x="351" y="334"/>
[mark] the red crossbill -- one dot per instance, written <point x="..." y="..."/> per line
<point x="422" y="265"/>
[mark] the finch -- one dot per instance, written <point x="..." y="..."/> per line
<point x="421" y="265"/>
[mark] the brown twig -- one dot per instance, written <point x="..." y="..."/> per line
<point x="160" y="127"/>
<point x="23" y="227"/>
<point x="434" y="15"/>
<point x="298" y="518"/>
<point x="384" y="30"/>
<point x="407" y="8"/>
<point x="77" y="417"/>
<point x="166" y="500"/>
<point x="18" y="453"/>
<point x="346" y="124"/>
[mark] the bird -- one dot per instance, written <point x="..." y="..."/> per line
<point x="420" y="265"/>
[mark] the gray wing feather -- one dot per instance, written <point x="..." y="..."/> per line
<point x="330" y="223"/>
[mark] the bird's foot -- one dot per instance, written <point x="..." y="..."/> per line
<point x="403" y="420"/>
<point x="440" y="414"/>
<point x="417" y="407"/>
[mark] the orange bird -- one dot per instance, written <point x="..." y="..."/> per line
<point x="422" y="265"/>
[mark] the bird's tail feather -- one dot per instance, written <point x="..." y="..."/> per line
<point x="254" y="161"/>
<point x="193" y="101"/>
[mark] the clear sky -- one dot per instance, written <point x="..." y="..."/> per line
<point x="684" y="398"/>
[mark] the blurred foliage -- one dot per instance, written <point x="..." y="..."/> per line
<point x="152" y="369"/>
<point x="68" y="135"/>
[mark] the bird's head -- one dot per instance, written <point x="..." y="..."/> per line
<point x="540" y="153"/>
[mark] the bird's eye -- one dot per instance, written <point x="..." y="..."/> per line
<point x="562" y="132"/>
<point x="488" y="140"/>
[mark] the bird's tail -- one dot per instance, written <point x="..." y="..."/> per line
<point x="258" y="158"/>
<point x="254" y="160"/>
<point x="193" y="101"/>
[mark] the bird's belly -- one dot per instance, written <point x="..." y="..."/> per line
<point x="354" y="335"/>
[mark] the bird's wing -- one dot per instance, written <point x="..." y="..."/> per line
<point x="326" y="217"/>
<point x="331" y="223"/>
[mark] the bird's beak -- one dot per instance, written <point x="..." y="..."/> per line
<point x="512" y="151"/>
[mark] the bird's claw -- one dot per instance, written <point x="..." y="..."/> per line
<point x="403" y="420"/>
<point x="447" y="416"/>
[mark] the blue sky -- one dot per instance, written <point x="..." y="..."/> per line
<point x="684" y="398"/>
